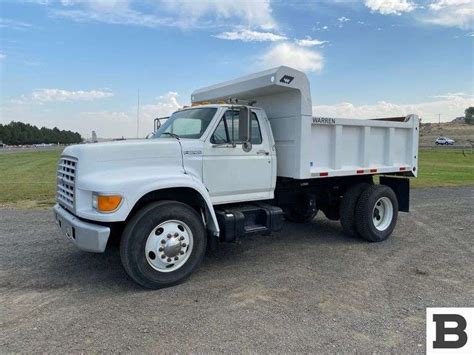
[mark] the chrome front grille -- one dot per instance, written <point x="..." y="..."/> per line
<point x="65" y="182"/>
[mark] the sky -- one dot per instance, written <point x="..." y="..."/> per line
<point x="79" y="64"/>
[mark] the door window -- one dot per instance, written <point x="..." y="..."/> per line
<point x="220" y="135"/>
<point x="230" y="130"/>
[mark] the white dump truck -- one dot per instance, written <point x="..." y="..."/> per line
<point x="247" y="154"/>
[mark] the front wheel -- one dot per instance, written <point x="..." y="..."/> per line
<point x="376" y="213"/>
<point x="163" y="244"/>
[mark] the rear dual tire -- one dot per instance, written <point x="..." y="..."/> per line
<point x="369" y="211"/>
<point x="376" y="213"/>
<point x="348" y="207"/>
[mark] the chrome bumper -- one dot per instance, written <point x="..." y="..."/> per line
<point x="86" y="236"/>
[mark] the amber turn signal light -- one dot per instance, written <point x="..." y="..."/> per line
<point x="108" y="203"/>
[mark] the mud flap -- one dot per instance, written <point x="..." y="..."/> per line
<point x="401" y="187"/>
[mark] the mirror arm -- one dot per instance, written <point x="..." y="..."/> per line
<point x="248" y="125"/>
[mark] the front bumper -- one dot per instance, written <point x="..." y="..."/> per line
<point x="87" y="236"/>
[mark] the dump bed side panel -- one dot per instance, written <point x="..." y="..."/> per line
<point x="340" y="147"/>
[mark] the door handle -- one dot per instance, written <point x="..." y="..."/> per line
<point x="263" y="152"/>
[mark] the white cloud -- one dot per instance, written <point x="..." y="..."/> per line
<point x="449" y="106"/>
<point x="116" y="124"/>
<point x="451" y="13"/>
<point x="164" y="106"/>
<point x="13" y="24"/>
<point x="310" y="42"/>
<point x="39" y="2"/>
<point x="49" y="95"/>
<point x="390" y="7"/>
<point x="343" y="19"/>
<point x="2" y="56"/>
<point x="107" y="123"/>
<point x="257" y="14"/>
<point x="123" y="17"/>
<point x="101" y="5"/>
<point x="111" y="124"/>
<point x="304" y="59"/>
<point x="177" y="13"/>
<point x="454" y="95"/>
<point x="250" y="36"/>
<point x="58" y="95"/>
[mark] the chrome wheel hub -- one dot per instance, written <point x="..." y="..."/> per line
<point x="383" y="213"/>
<point x="169" y="246"/>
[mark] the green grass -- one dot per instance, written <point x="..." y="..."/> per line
<point x="28" y="179"/>
<point x="444" y="168"/>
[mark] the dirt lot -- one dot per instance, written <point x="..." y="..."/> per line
<point x="305" y="289"/>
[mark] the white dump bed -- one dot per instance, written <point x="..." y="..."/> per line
<point x="339" y="147"/>
<point x="319" y="147"/>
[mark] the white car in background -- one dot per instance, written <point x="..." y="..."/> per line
<point x="444" y="141"/>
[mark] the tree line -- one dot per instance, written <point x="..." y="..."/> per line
<point x="469" y="115"/>
<point x="19" y="133"/>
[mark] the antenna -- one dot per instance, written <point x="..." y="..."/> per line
<point x="138" y="111"/>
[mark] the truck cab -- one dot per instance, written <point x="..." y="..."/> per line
<point x="245" y="155"/>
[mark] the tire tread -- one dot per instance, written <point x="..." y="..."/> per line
<point x="348" y="207"/>
<point x="363" y="213"/>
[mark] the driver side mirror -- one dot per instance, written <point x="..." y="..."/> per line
<point x="157" y="124"/>
<point x="244" y="129"/>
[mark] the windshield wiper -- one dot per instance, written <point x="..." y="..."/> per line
<point x="171" y="134"/>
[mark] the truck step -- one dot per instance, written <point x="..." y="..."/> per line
<point x="242" y="220"/>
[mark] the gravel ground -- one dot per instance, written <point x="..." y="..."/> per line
<point x="305" y="289"/>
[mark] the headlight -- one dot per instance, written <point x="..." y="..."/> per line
<point x="106" y="203"/>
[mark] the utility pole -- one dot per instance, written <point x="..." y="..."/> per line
<point x="439" y="118"/>
<point x="138" y="111"/>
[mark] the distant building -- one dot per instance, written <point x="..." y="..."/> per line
<point x="94" y="137"/>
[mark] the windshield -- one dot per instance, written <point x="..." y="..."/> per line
<point x="187" y="123"/>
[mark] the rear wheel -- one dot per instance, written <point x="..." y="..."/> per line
<point x="163" y="244"/>
<point x="376" y="213"/>
<point x="348" y="206"/>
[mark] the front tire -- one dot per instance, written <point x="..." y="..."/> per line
<point x="376" y="213"/>
<point x="163" y="244"/>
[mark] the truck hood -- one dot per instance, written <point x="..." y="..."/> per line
<point x="116" y="155"/>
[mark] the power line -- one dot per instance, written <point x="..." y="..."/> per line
<point x="138" y="111"/>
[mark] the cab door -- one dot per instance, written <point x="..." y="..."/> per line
<point x="232" y="173"/>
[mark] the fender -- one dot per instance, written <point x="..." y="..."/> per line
<point x="133" y="184"/>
